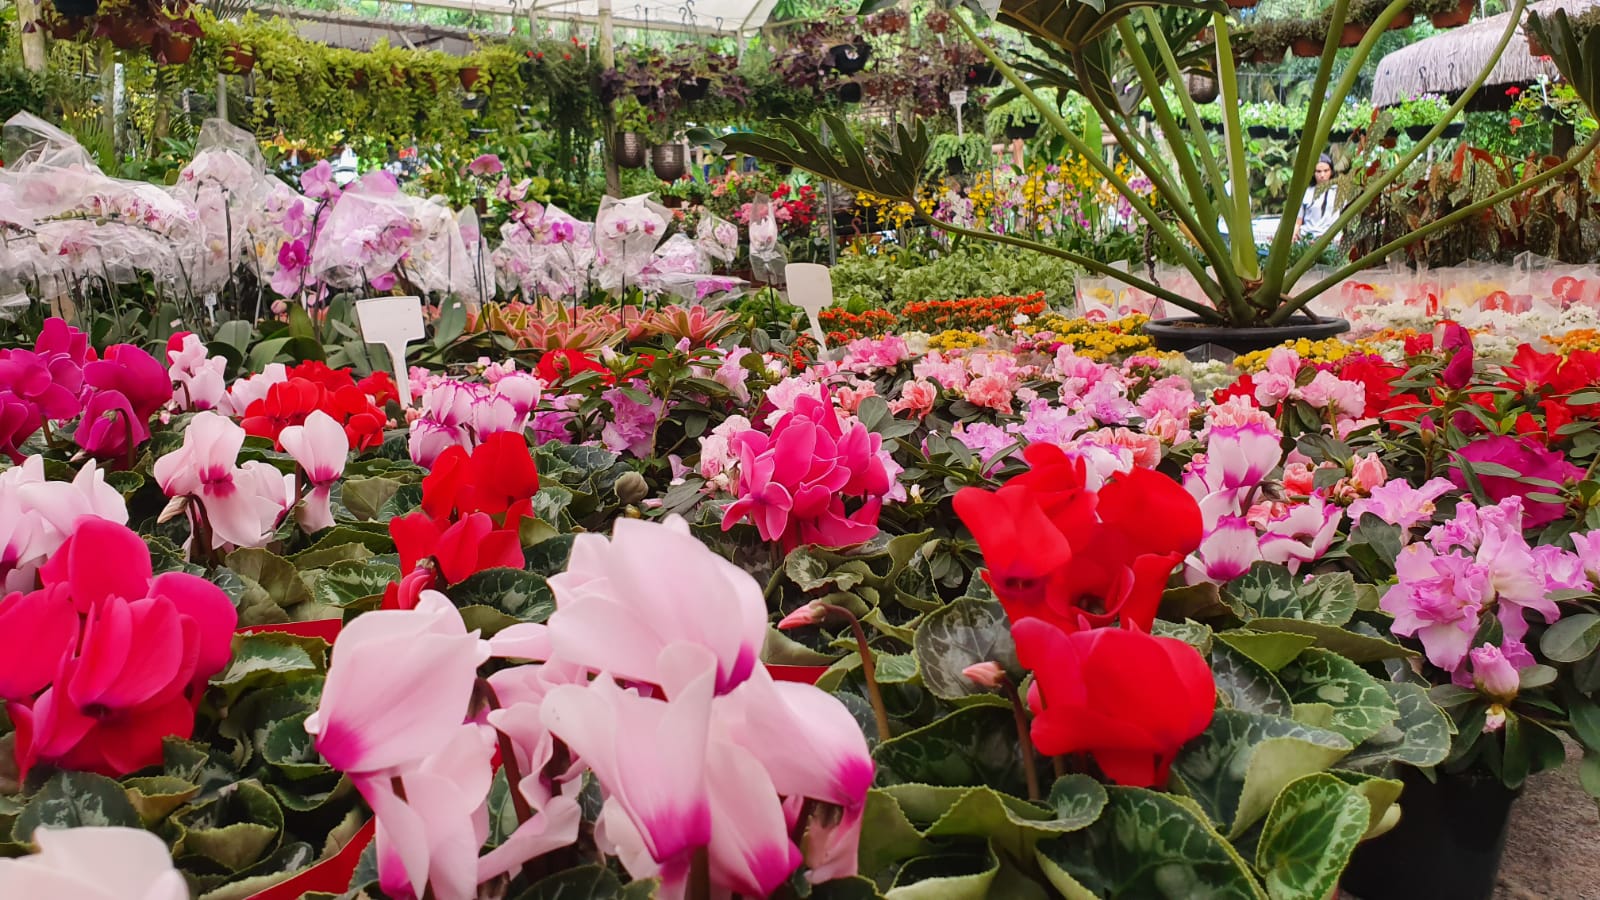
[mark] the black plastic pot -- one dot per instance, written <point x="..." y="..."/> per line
<point x="1447" y="844"/>
<point x="955" y="166"/>
<point x="849" y="58"/>
<point x="983" y="75"/>
<point x="1278" y="131"/>
<point x="667" y="162"/>
<point x="1453" y="130"/>
<point x="1339" y="135"/>
<point x="694" y="88"/>
<point x="1418" y="132"/>
<point x="1213" y="127"/>
<point x="849" y="92"/>
<point x="1257" y="131"/>
<point x="1183" y="333"/>
<point x="77" y="7"/>
<point x="629" y="150"/>
<point x="1023" y="132"/>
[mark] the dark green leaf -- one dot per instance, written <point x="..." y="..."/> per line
<point x="75" y="800"/>
<point x="959" y="635"/>
<point x="1309" y="835"/>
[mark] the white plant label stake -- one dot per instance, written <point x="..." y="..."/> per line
<point x="811" y="289"/>
<point x="393" y="322"/>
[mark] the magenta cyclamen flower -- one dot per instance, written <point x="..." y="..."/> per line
<point x="792" y="483"/>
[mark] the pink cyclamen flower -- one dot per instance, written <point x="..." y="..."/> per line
<point x="1303" y="535"/>
<point x="622" y="601"/>
<point x="242" y="503"/>
<point x="320" y="447"/>
<point x="1227" y="551"/>
<point x="398" y="687"/>
<point x="94" y="863"/>
<point x="1237" y="458"/>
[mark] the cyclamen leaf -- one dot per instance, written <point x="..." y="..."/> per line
<point x="75" y="800"/>
<point x="1308" y="837"/>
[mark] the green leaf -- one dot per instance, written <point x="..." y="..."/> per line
<point x="1247" y="685"/>
<point x="1190" y="632"/>
<point x="1571" y="639"/>
<point x="1330" y="598"/>
<point x="953" y="874"/>
<point x="959" y="635"/>
<point x="345" y="584"/>
<point x="974" y="745"/>
<point x="1420" y="736"/>
<point x="287" y="747"/>
<point x="887" y="835"/>
<point x="1357" y="648"/>
<point x="365" y="497"/>
<point x="276" y="575"/>
<point x="1381" y="794"/>
<point x="1147" y="844"/>
<point x="1267" y="590"/>
<point x="1361" y="707"/>
<point x="1271" y="651"/>
<point x="523" y="596"/>
<point x="156" y="796"/>
<point x="549" y="556"/>
<point x="1309" y="835"/>
<point x="75" y="800"/>
<point x="582" y="883"/>
<point x="1236" y="767"/>
<point x="268" y="656"/>
<point x="452" y="321"/>
<point x="1013" y="824"/>
<point x="234" y="829"/>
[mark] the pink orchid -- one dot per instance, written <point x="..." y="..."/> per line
<point x="293" y="259"/>
<point x="486" y="164"/>
<point x="320" y="447"/>
<point x="317" y="182"/>
<point x="94" y="863"/>
<point x="397" y="689"/>
<point x="622" y="601"/>
<point x="242" y="504"/>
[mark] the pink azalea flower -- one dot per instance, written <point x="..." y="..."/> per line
<point x="916" y="397"/>
<point x="1528" y="460"/>
<point x="1368" y="472"/>
<point x="1398" y="503"/>
<point x="1438" y="599"/>
<point x="1493" y="674"/>
<point x="1327" y="391"/>
<point x="94" y="863"/>
<point x="320" y="447"/>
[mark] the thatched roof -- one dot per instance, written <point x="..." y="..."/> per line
<point x="1445" y="64"/>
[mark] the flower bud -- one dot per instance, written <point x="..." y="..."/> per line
<point x="631" y="487"/>
<point x="985" y="674"/>
<point x="810" y="614"/>
<point x="1493" y="674"/>
<point x="1495" y="719"/>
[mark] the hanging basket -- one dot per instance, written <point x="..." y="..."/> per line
<point x="77" y="7"/>
<point x="849" y="92"/>
<point x="983" y="75"/>
<point x="667" y="162"/>
<point x="1306" y="48"/>
<point x="694" y="88"/>
<point x="1022" y="132"/>
<point x="172" y="49"/>
<point x="1202" y="87"/>
<point x="1352" y="34"/>
<point x="1418" y="132"/>
<point x="629" y="150"/>
<point x="1452" y="18"/>
<point x="469" y="76"/>
<point x="1406" y="19"/>
<point x="240" y="60"/>
<point x="849" y="59"/>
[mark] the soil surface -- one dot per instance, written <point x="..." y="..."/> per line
<point x="1553" y="847"/>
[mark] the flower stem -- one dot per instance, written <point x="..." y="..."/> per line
<point x="869" y="668"/>
<point x="484" y="693"/>
<point x="699" y="887"/>
<point x="1024" y="742"/>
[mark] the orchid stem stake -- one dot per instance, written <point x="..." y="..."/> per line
<point x="869" y="668"/>
<point x="1024" y="742"/>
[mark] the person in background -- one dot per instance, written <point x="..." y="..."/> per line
<point x="1320" y="207"/>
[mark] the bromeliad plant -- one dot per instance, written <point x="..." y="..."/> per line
<point x="1109" y="53"/>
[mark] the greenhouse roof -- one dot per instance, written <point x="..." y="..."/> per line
<point x="706" y="17"/>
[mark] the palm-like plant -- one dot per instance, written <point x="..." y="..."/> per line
<point x="1115" y="53"/>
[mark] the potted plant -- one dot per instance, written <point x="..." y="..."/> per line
<point x="849" y="58"/>
<point x="1351" y="120"/>
<point x="1446" y="13"/>
<point x="1016" y="119"/>
<point x="1417" y="116"/>
<point x="954" y="155"/>
<point x="1239" y="297"/>
<point x="76" y="8"/>
<point x="632" y="122"/>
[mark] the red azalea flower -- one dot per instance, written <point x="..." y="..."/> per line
<point x="557" y="366"/>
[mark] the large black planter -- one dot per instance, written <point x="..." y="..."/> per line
<point x="629" y="150"/>
<point x="1418" y="132"/>
<point x="77" y="7"/>
<point x="983" y="75"/>
<point x="1447" y="844"/>
<point x="1188" y="332"/>
<point x="667" y="162"/>
<point x="1023" y="132"/>
<point x="849" y="92"/>
<point x="1257" y="131"/>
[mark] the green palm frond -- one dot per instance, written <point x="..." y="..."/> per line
<point x="890" y="167"/>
